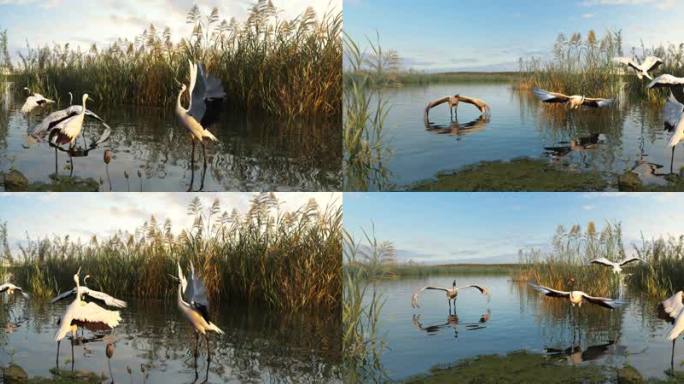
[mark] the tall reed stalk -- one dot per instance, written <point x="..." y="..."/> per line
<point x="365" y="111"/>
<point x="663" y="272"/>
<point x="287" y="68"/>
<point x="287" y="260"/>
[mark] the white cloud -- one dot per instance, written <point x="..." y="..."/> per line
<point x="660" y="4"/>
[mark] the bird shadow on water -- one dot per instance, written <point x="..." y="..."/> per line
<point x="453" y="322"/>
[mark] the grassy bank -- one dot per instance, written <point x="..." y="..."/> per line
<point x="288" y="68"/>
<point x="525" y="367"/>
<point x="287" y="260"/>
<point x="522" y="174"/>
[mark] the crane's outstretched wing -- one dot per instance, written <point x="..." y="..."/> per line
<point x="414" y="297"/>
<point x="483" y="290"/>
<point x="63" y="295"/>
<point x="602" y="261"/>
<point x="549" y="291"/>
<point x="199" y="299"/>
<point x="666" y="80"/>
<point x="628" y="62"/>
<point x="678" y="327"/>
<point x="672" y="112"/>
<point x="651" y="63"/>
<point x="550" y="97"/>
<point x="602" y="301"/>
<point x="597" y="102"/>
<point x="107" y="299"/>
<point x="674" y="304"/>
<point x="90" y="313"/>
<point x="630" y="260"/>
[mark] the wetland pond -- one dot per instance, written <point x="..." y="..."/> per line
<point x="154" y="339"/>
<point x="516" y="318"/>
<point x="153" y="149"/>
<point x="632" y="134"/>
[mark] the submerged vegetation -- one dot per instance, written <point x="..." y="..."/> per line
<point x="582" y="66"/>
<point x="286" y="260"/>
<point x="288" y="68"/>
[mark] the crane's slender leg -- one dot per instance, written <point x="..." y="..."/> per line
<point x="72" y="351"/>
<point x="56" y="162"/>
<point x="672" y="358"/>
<point x="206" y="338"/>
<point x="204" y="169"/>
<point x="57" y="359"/>
<point x="672" y="160"/>
<point x="196" y="352"/>
<point x="109" y="364"/>
<point x="192" y="166"/>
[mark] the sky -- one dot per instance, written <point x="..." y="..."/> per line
<point x="83" y="22"/>
<point x="435" y="228"/>
<point x="490" y="35"/>
<point x="82" y="215"/>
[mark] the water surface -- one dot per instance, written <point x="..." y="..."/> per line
<point x="515" y="318"/>
<point x="519" y="126"/>
<point x="258" y="345"/>
<point x="153" y="149"/>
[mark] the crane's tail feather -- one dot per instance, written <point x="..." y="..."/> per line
<point x="213" y="327"/>
<point x="209" y="135"/>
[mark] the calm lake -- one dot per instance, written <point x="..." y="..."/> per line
<point x="515" y="318"/>
<point x="252" y="153"/>
<point x="520" y="126"/>
<point x="258" y="346"/>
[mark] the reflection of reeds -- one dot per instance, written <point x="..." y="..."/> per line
<point x="365" y="111"/>
<point x="663" y="272"/>
<point x="289" y="68"/>
<point x="362" y="305"/>
<point x="579" y="66"/>
<point x="287" y="260"/>
<point x="572" y="250"/>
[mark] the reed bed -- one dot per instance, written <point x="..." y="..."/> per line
<point x="365" y="111"/>
<point x="569" y="257"/>
<point x="286" y="260"/>
<point x="673" y="63"/>
<point x="362" y="305"/>
<point x="663" y="272"/>
<point x="399" y="270"/>
<point x="286" y="68"/>
<point x="582" y="66"/>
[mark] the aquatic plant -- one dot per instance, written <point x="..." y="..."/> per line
<point x="663" y="272"/>
<point x="287" y="68"/>
<point x="570" y="256"/>
<point x="365" y="111"/>
<point x="578" y="66"/>
<point x="288" y="260"/>
<point x="362" y="305"/>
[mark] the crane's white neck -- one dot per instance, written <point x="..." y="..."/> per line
<point x="178" y="101"/>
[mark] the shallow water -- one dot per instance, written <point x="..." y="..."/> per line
<point x="258" y="346"/>
<point x="515" y="318"/>
<point x="519" y="126"/>
<point x="252" y="153"/>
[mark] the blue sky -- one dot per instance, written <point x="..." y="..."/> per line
<point x="492" y="227"/>
<point x="83" y="22"/>
<point x="82" y="215"/>
<point x="439" y="35"/>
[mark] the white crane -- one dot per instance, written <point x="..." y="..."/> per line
<point x="82" y="314"/>
<point x="578" y="297"/>
<point x="451" y="293"/>
<point x="642" y="70"/>
<point x="573" y="101"/>
<point x="673" y="83"/>
<point x="67" y="130"/>
<point x="196" y="308"/>
<point x="616" y="265"/>
<point x="83" y="290"/>
<point x="672" y="117"/>
<point x="33" y="101"/>
<point x="673" y="307"/>
<point x="55" y="118"/>
<point x="206" y="97"/>
<point x="10" y="288"/>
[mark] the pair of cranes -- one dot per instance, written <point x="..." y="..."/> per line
<point x="192" y="301"/>
<point x="206" y="96"/>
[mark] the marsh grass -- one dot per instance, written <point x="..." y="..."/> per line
<point x="569" y="257"/>
<point x="362" y="307"/>
<point x="287" y="260"/>
<point x="365" y="111"/>
<point x="663" y="272"/>
<point x="287" y="68"/>
<point x="579" y="65"/>
<point x="673" y="63"/>
<point x="423" y="78"/>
